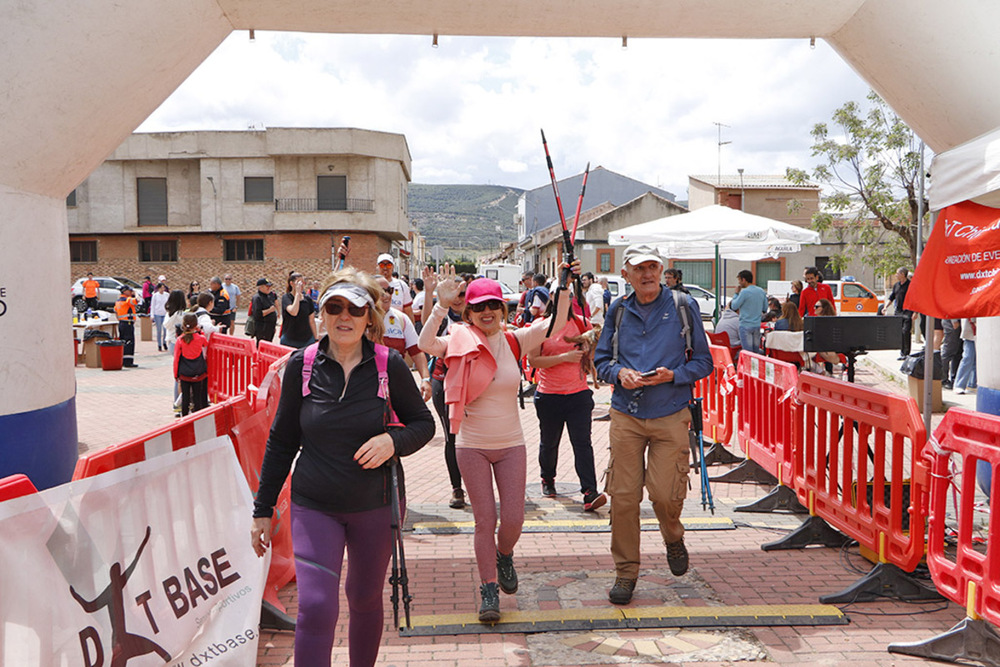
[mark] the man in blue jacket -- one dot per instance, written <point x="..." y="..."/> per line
<point x="645" y="354"/>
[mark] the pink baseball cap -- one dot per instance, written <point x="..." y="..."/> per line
<point x="483" y="289"/>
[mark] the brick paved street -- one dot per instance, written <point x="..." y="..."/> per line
<point x="574" y="570"/>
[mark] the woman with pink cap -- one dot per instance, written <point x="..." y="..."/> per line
<point x="481" y="389"/>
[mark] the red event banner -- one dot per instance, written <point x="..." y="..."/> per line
<point x="959" y="272"/>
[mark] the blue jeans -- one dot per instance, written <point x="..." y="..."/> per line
<point x="575" y="411"/>
<point x="750" y="338"/>
<point x="161" y="333"/>
<point x="966" y="376"/>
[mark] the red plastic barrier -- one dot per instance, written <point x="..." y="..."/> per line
<point x="852" y="437"/>
<point x="231" y="366"/>
<point x="250" y="436"/>
<point x="269" y="390"/>
<point x="267" y="354"/>
<point x="971" y="577"/>
<point x="767" y="412"/>
<point x="16" y="486"/>
<point x="197" y="427"/>
<point x="718" y="389"/>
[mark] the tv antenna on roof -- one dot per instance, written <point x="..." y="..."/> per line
<point x="722" y="143"/>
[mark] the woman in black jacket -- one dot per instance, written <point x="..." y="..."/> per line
<point x="340" y="487"/>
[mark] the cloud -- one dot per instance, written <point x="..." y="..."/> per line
<point x="471" y="109"/>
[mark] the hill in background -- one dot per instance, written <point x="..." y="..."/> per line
<point x="464" y="217"/>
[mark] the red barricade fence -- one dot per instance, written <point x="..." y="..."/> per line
<point x="267" y="354"/>
<point x="718" y="389"/>
<point x="15" y="486"/>
<point x="970" y="577"/>
<point x="857" y="453"/>
<point x="203" y="425"/>
<point x="767" y="412"/>
<point x="231" y="366"/>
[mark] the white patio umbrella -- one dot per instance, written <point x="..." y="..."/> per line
<point x="717" y="232"/>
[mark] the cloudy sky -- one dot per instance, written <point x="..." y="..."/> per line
<point x="471" y="109"/>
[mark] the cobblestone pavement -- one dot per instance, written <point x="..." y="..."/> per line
<point x="574" y="569"/>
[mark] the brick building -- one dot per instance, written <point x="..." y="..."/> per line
<point x="192" y="205"/>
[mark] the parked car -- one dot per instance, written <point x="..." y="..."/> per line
<point x="705" y="299"/>
<point x="107" y="294"/>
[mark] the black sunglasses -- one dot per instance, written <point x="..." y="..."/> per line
<point x="492" y="304"/>
<point x="334" y="308"/>
<point x="461" y="295"/>
<point x="389" y="290"/>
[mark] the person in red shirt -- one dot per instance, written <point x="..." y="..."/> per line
<point x="190" y="365"/>
<point x="813" y="292"/>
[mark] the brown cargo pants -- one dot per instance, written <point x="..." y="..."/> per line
<point x="650" y="453"/>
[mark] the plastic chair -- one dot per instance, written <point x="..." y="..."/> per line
<point x="722" y="338"/>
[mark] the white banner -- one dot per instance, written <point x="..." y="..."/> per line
<point x="146" y="565"/>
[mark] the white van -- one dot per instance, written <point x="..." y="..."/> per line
<point x="617" y="285"/>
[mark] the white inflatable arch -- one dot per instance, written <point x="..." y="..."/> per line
<point x="78" y="78"/>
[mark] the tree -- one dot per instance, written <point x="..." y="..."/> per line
<point x="874" y="172"/>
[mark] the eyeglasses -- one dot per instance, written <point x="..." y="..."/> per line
<point x="386" y="264"/>
<point x="334" y="308"/>
<point x="492" y="304"/>
<point x="388" y="290"/>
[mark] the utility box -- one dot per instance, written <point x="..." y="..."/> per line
<point x="916" y="387"/>
<point x="145" y="328"/>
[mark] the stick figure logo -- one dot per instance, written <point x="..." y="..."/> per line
<point x="125" y="645"/>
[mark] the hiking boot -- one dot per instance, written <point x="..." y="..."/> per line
<point x="621" y="592"/>
<point x="677" y="557"/>
<point x="592" y="500"/>
<point x="457" y="499"/>
<point x="548" y="488"/>
<point x="506" y="574"/>
<point x="489" y="610"/>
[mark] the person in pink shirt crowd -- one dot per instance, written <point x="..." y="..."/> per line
<point x="481" y="388"/>
<point x="563" y="398"/>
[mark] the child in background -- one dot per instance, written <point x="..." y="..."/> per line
<point x="190" y="365"/>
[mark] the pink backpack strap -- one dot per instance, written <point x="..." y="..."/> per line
<point x="382" y="365"/>
<point x="307" y="366"/>
<point x="515" y="346"/>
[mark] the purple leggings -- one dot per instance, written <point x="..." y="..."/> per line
<point x="479" y="467"/>
<point x="318" y="539"/>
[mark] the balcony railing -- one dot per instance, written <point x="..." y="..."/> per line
<point x="309" y="205"/>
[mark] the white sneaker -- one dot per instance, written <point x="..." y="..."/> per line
<point x="961" y="391"/>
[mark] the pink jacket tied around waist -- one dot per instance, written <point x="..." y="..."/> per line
<point x="471" y="368"/>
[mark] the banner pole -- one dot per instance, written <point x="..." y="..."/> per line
<point x="928" y="402"/>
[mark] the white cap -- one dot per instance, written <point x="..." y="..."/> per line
<point x="356" y="294"/>
<point x="637" y="254"/>
<point x="385" y="257"/>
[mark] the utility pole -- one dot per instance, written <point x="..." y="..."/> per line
<point x="722" y="143"/>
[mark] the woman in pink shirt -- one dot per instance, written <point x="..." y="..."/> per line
<point x="481" y="389"/>
<point x="563" y="398"/>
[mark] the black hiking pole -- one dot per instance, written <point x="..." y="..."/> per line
<point x="398" y="578"/>
<point x="698" y="446"/>
<point x="567" y="240"/>
<point x="580" y="297"/>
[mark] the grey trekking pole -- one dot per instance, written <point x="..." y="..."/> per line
<point x="398" y="578"/>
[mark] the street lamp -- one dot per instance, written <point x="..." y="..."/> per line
<point x="743" y="193"/>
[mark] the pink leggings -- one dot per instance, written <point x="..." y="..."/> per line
<point x="479" y="467"/>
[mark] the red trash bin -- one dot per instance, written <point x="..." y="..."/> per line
<point x="112" y="354"/>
